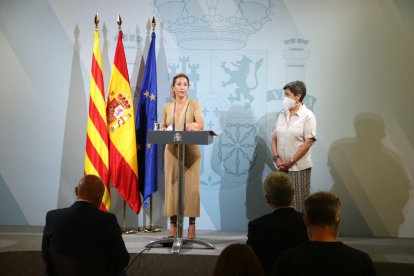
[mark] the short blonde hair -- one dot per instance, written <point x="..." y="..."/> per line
<point x="278" y="186"/>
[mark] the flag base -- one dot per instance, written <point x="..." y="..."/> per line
<point x="152" y="229"/>
<point x="129" y="230"/>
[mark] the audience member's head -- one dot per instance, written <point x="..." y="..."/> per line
<point x="322" y="223"/>
<point x="279" y="189"/>
<point x="91" y="189"/>
<point x="238" y="260"/>
<point x="322" y="213"/>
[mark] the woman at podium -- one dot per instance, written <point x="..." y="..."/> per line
<point x="182" y="114"/>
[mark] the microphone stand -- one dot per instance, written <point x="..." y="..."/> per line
<point x="185" y="117"/>
<point x="174" y="115"/>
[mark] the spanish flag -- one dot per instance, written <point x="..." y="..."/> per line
<point x="123" y="165"/>
<point x="96" y="155"/>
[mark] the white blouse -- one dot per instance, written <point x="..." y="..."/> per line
<point x="291" y="134"/>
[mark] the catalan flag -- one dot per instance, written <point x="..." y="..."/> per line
<point x="146" y="116"/>
<point x="123" y="167"/>
<point x="96" y="155"/>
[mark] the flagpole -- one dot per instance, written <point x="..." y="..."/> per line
<point x="151" y="228"/>
<point x="96" y="149"/>
<point x="125" y="229"/>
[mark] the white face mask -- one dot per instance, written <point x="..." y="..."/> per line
<point x="289" y="103"/>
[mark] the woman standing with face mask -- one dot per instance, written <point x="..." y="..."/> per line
<point x="292" y="137"/>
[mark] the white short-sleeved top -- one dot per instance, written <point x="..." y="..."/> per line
<point x="291" y="134"/>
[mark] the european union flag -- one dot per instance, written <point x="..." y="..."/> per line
<point x="145" y="118"/>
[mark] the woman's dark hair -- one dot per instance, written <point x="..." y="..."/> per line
<point x="296" y="87"/>
<point x="238" y="260"/>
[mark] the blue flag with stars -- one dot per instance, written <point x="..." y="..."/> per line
<point x="146" y="115"/>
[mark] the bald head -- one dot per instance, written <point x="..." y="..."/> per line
<point x="90" y="188"/>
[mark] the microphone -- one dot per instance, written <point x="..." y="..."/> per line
<point x="185" y="117"/>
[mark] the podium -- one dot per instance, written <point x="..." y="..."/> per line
<point x="180" y="138"/>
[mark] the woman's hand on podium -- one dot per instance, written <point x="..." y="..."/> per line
<point x="191" y="127"/>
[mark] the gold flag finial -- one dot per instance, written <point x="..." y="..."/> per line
<point x="119" y="21"/>
<point x="154" y="23"/>
<point x="96" y="20"/>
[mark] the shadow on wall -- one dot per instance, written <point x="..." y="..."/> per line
<point x="125" y="215"/>
<point x="262" y="165"/>
<point x="10" y="211"/>
<point x="370" y="179"/>
<point x="231" y="159"/>
<point x="74" y="140"/>
<point x="241" y="157"/>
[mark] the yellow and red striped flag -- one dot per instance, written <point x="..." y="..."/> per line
<point x="123" y="165"/>
<point x="96" y="155"/>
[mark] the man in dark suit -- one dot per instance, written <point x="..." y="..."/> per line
<point x="81" y="239"/>
<point x="280" y="230"/>
<point x="323" y="254"/>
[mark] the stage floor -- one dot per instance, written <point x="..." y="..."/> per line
<point x="381" y="250"/>
<point x="24" y="238"/>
